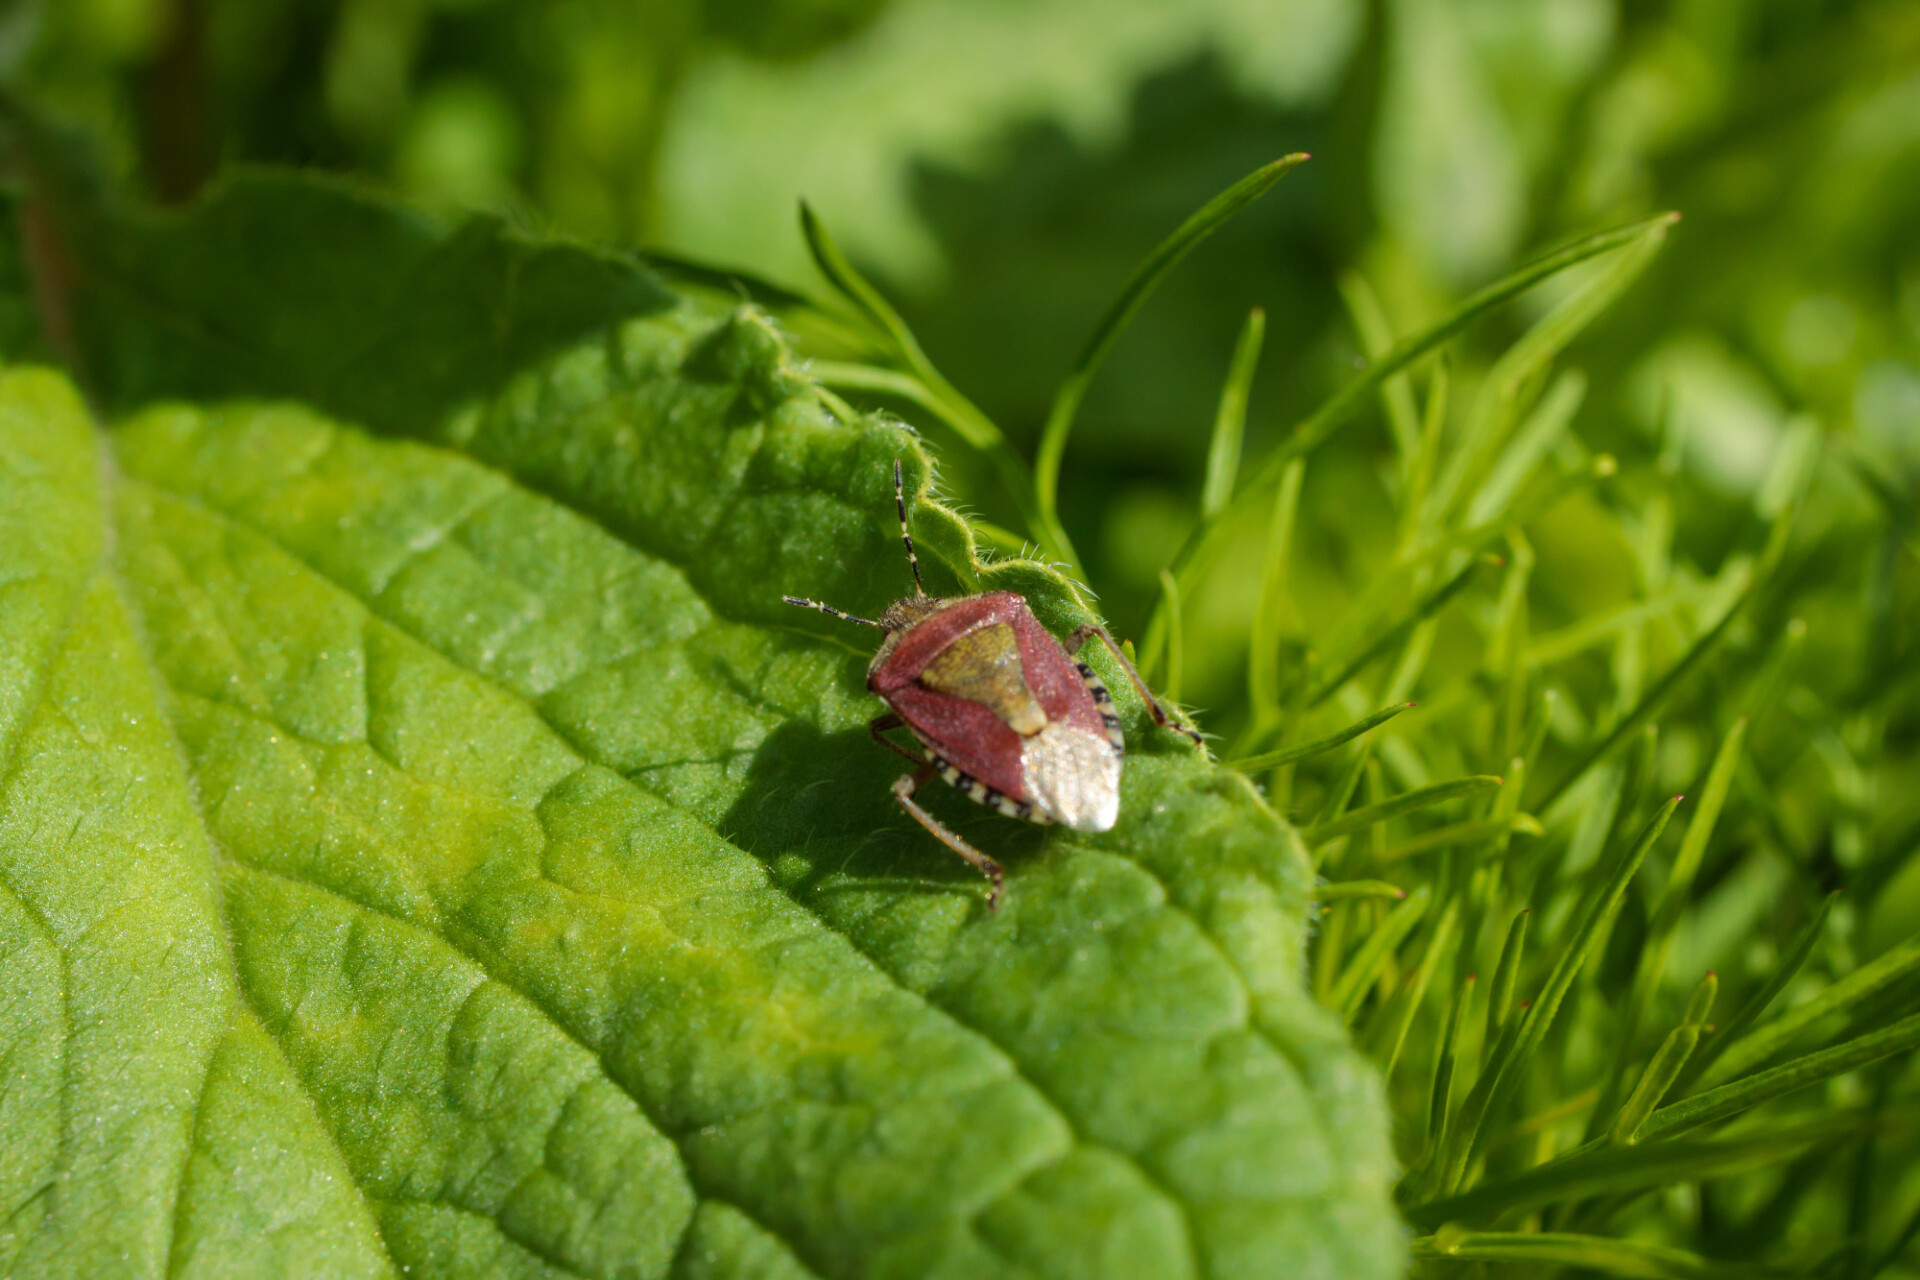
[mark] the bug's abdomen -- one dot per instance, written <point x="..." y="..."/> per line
<point x="982" y="794"/>
<point x="1097" y="690"/>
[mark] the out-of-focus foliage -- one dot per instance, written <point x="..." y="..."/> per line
<point x="552" y="107"/>
<point x="1002" y="163"/>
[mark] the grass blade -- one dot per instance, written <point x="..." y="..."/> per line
<point x="1665" y="1067"/>
<point x="1406" y="802"/>
<point x="1345" y="403"/>
<point x="1506" y="974"/>
<point x="1651" y="702"/>
<point x="1497" y="1082"/>
<point x="1433" y="422"/>
<point x="1666" y="917"/>
<point x="1230" y="420"/>
<point x="1351" y="987"/>
<point x="1543" y="429"/>
<point x="875" y="380"/>
<point x="1605" y="1254"/>
<point x="1293" y="755"/>
<point x="1862" y="984"/>
<point x="1399" y="1015"/>
<point x="1732" y="1098"/>
<point x="1066" y="402"/>
<point x="1510" y="382"/>
<point x="1330" y="415"/>
<point x="1342" y="890"/>
<point x="1557" y="646"/>
<point x="1459" y="833"/>
<point x="1176" y="636"/>
<point x="1749" y="1013"/>
<point x="1345" y="785"/>
<point x="870" y="303"/>
<point x="1440" y="1099"/>
<point x="1398" y="632"/>
<point x="1263" y="642"/>
<point x="1376" y="339"/>
<point x="1604" y="1170"/>
<point x="927" y="386"/>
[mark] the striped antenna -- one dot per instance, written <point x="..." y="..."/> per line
<point x="830" y="611"/>
<point x="900" y="505"/>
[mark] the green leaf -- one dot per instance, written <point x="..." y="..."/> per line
<point x="428" y="844"/>
<point x="398" y="319"/>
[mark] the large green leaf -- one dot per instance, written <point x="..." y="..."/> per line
<point x="435" y="848"/>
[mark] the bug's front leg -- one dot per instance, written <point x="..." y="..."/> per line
<point x="1158" y="712"/>
<point x="903" y="792"/>
<point x="878" y="727"/>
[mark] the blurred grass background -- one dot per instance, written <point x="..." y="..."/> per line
<point x="998" y="168"/>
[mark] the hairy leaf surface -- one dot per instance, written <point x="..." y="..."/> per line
<point x="429" y="846"/>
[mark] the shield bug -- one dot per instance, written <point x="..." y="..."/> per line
<point x="1003" y="712"/>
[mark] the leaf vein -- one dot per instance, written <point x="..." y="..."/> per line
<point x="1252" y="1025"/>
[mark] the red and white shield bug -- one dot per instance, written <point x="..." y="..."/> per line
<point x="1002" y="711"/>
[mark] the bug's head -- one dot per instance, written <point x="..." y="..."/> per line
<point x="908" y="610"/>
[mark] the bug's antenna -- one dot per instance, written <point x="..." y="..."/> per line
<point x="900" y="504"/>
<point x="830" y="611"/>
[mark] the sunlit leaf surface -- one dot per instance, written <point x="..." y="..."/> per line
<point x="436" y="850"/>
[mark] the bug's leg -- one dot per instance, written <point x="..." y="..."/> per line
<point x="878" y="727"/>
<point x="829" y="610"/>
<point x="1158" y="712"/>
<point x="903" y="792"/>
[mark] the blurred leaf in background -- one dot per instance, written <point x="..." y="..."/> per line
<point x="554" y="108"/>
